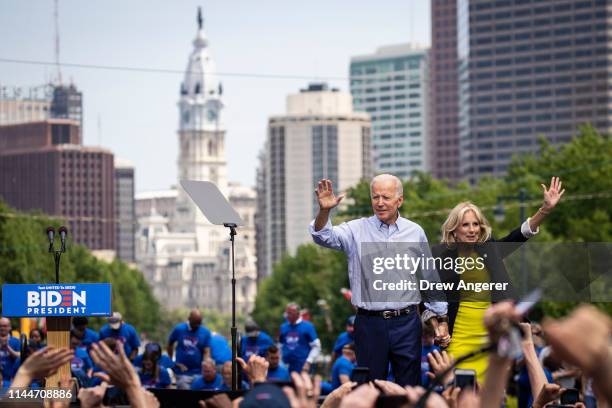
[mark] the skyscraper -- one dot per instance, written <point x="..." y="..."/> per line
<point x="526" y="69"/>
<point x="444" y="89"/>
<point x="320" y="136"/>
<point x="124" y="210"/>
<point x="43" y="166"/>
<point x="391" y="85"/>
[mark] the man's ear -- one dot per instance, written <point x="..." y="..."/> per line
<point x="401" y="200"/>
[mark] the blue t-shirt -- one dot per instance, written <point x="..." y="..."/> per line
<point x="164" y="361"/>
<point x="295" y="340"/>
<point x="8" y="363"/>
<point x="199" y="383"/>
<point x="126" y="334"/>
<point x="89" y="337"/>
<point x="280" y="373"/>
<point x="148" y="381"/>
<point x="255" y="345"/>
<point x="342" y="340"/>
<point x="342" y="366"/>
<point x="220" y="351"/>
<point x="80" y="365"/>
<point x="425" y="363"/>
<point x="190" y="346"/>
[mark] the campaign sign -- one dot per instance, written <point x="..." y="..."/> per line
<point x="56" y="299"/>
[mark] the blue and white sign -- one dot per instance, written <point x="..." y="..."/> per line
<point x="64" y="299"/>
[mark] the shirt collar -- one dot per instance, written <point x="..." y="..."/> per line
<point x="398" y="225"/>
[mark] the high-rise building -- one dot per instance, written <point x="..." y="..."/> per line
<point x="184" y="257"/>
<point x="320" y="136"/>
<point x="44" y="167"/>
<point x="124" y="210"/>
<point x="67" y="103"/>
<point x="392" y="86"/>
<point x="529" y="69"/>
<point x="25" y="105"/>
<point x="444" y="89"/>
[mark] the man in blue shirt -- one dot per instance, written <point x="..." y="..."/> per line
<point x="220" y="350"/>
<point x="254" y="342"/>
<point x="123" y="332"/>
<point x="387" y="326"/>
<point x="299" y="340"/>
<point x="193" y="344"/>
<point x="344" y="338"/>
<point x="87" y="336"/>
<point x="343" y="367"/>
<point x="276" y="371"/>
<point x="209" y="380"/>
<point x="81" y="364"/>
<point x="9" y="350"/>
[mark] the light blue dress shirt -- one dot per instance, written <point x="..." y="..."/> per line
<point x="349" y="236"/>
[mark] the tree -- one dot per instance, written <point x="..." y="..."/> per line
<point x="24" y="258"/>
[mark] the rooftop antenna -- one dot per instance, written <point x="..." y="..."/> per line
<point x="57" y="40"/>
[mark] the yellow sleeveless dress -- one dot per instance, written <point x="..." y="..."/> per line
<point x="469" y="333"/>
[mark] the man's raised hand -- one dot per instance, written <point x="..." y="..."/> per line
<point x="325" y="195"/>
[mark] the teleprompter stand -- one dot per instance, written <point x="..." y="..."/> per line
<point x="218" y="211"/>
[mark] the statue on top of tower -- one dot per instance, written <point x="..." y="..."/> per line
<point x="200" y="19"/>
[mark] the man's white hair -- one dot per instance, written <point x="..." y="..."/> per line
<point x="399" y="188"/>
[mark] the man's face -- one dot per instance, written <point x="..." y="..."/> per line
<point x="226" y="373"/>
<point x="350" y="329"/>
<point x="195" y="322"/>
<point x="292" y="314"/>
<point x="209" y="371"/>
<point x="273" y="360"/>
<point x="74" y="342"/>
<point x="385" y="201"/>
<point x="35" y="337"/>
<point x="5" y="327"/>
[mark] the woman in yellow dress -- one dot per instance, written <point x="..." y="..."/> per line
<point x="466" y="238"/>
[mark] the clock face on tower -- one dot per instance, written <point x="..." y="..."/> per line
<point x="212" y="115"/>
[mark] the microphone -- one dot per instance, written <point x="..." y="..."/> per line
<point x="63" y="231"/>
<point x="50" y="235"/>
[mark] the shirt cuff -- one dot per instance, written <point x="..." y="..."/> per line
<point x="526" y="229"/>
<point x="323" y="231"/>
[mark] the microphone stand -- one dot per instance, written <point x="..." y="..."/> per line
<point x="234" y="330"/>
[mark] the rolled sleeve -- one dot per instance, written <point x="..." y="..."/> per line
<point x="326" y="236"/>
<point x="526" y="229"/>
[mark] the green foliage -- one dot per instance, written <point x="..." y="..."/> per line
<point x="24" y="258"/>
<point x="311" y="275"/>
<point x="583" y="215"/>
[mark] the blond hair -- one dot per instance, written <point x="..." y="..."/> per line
<point x="455" y="218"/>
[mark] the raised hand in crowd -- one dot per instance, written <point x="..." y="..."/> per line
<point x="440" y="362"/>
<point x="92" y="397"/>
<point x="256" y="368"/>
<point x="548" y="393"/>
<point x="334" y="399"/>
<point x="451" y="396"/>
<point x="41" y="364"/>
<point x="306" y="394"/>
<point x="582" y="339"/>
<point x="364" y="396"/>
<point x="216" y="401"/>
<point x="121" y="373"/>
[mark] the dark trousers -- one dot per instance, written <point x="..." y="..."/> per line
<point x="379" y="341"/>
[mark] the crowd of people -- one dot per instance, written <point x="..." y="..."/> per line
<point x="458" y="349"/>
<point x="556" y="358"/>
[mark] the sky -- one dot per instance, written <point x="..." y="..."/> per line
<point x="134" y="113"/>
